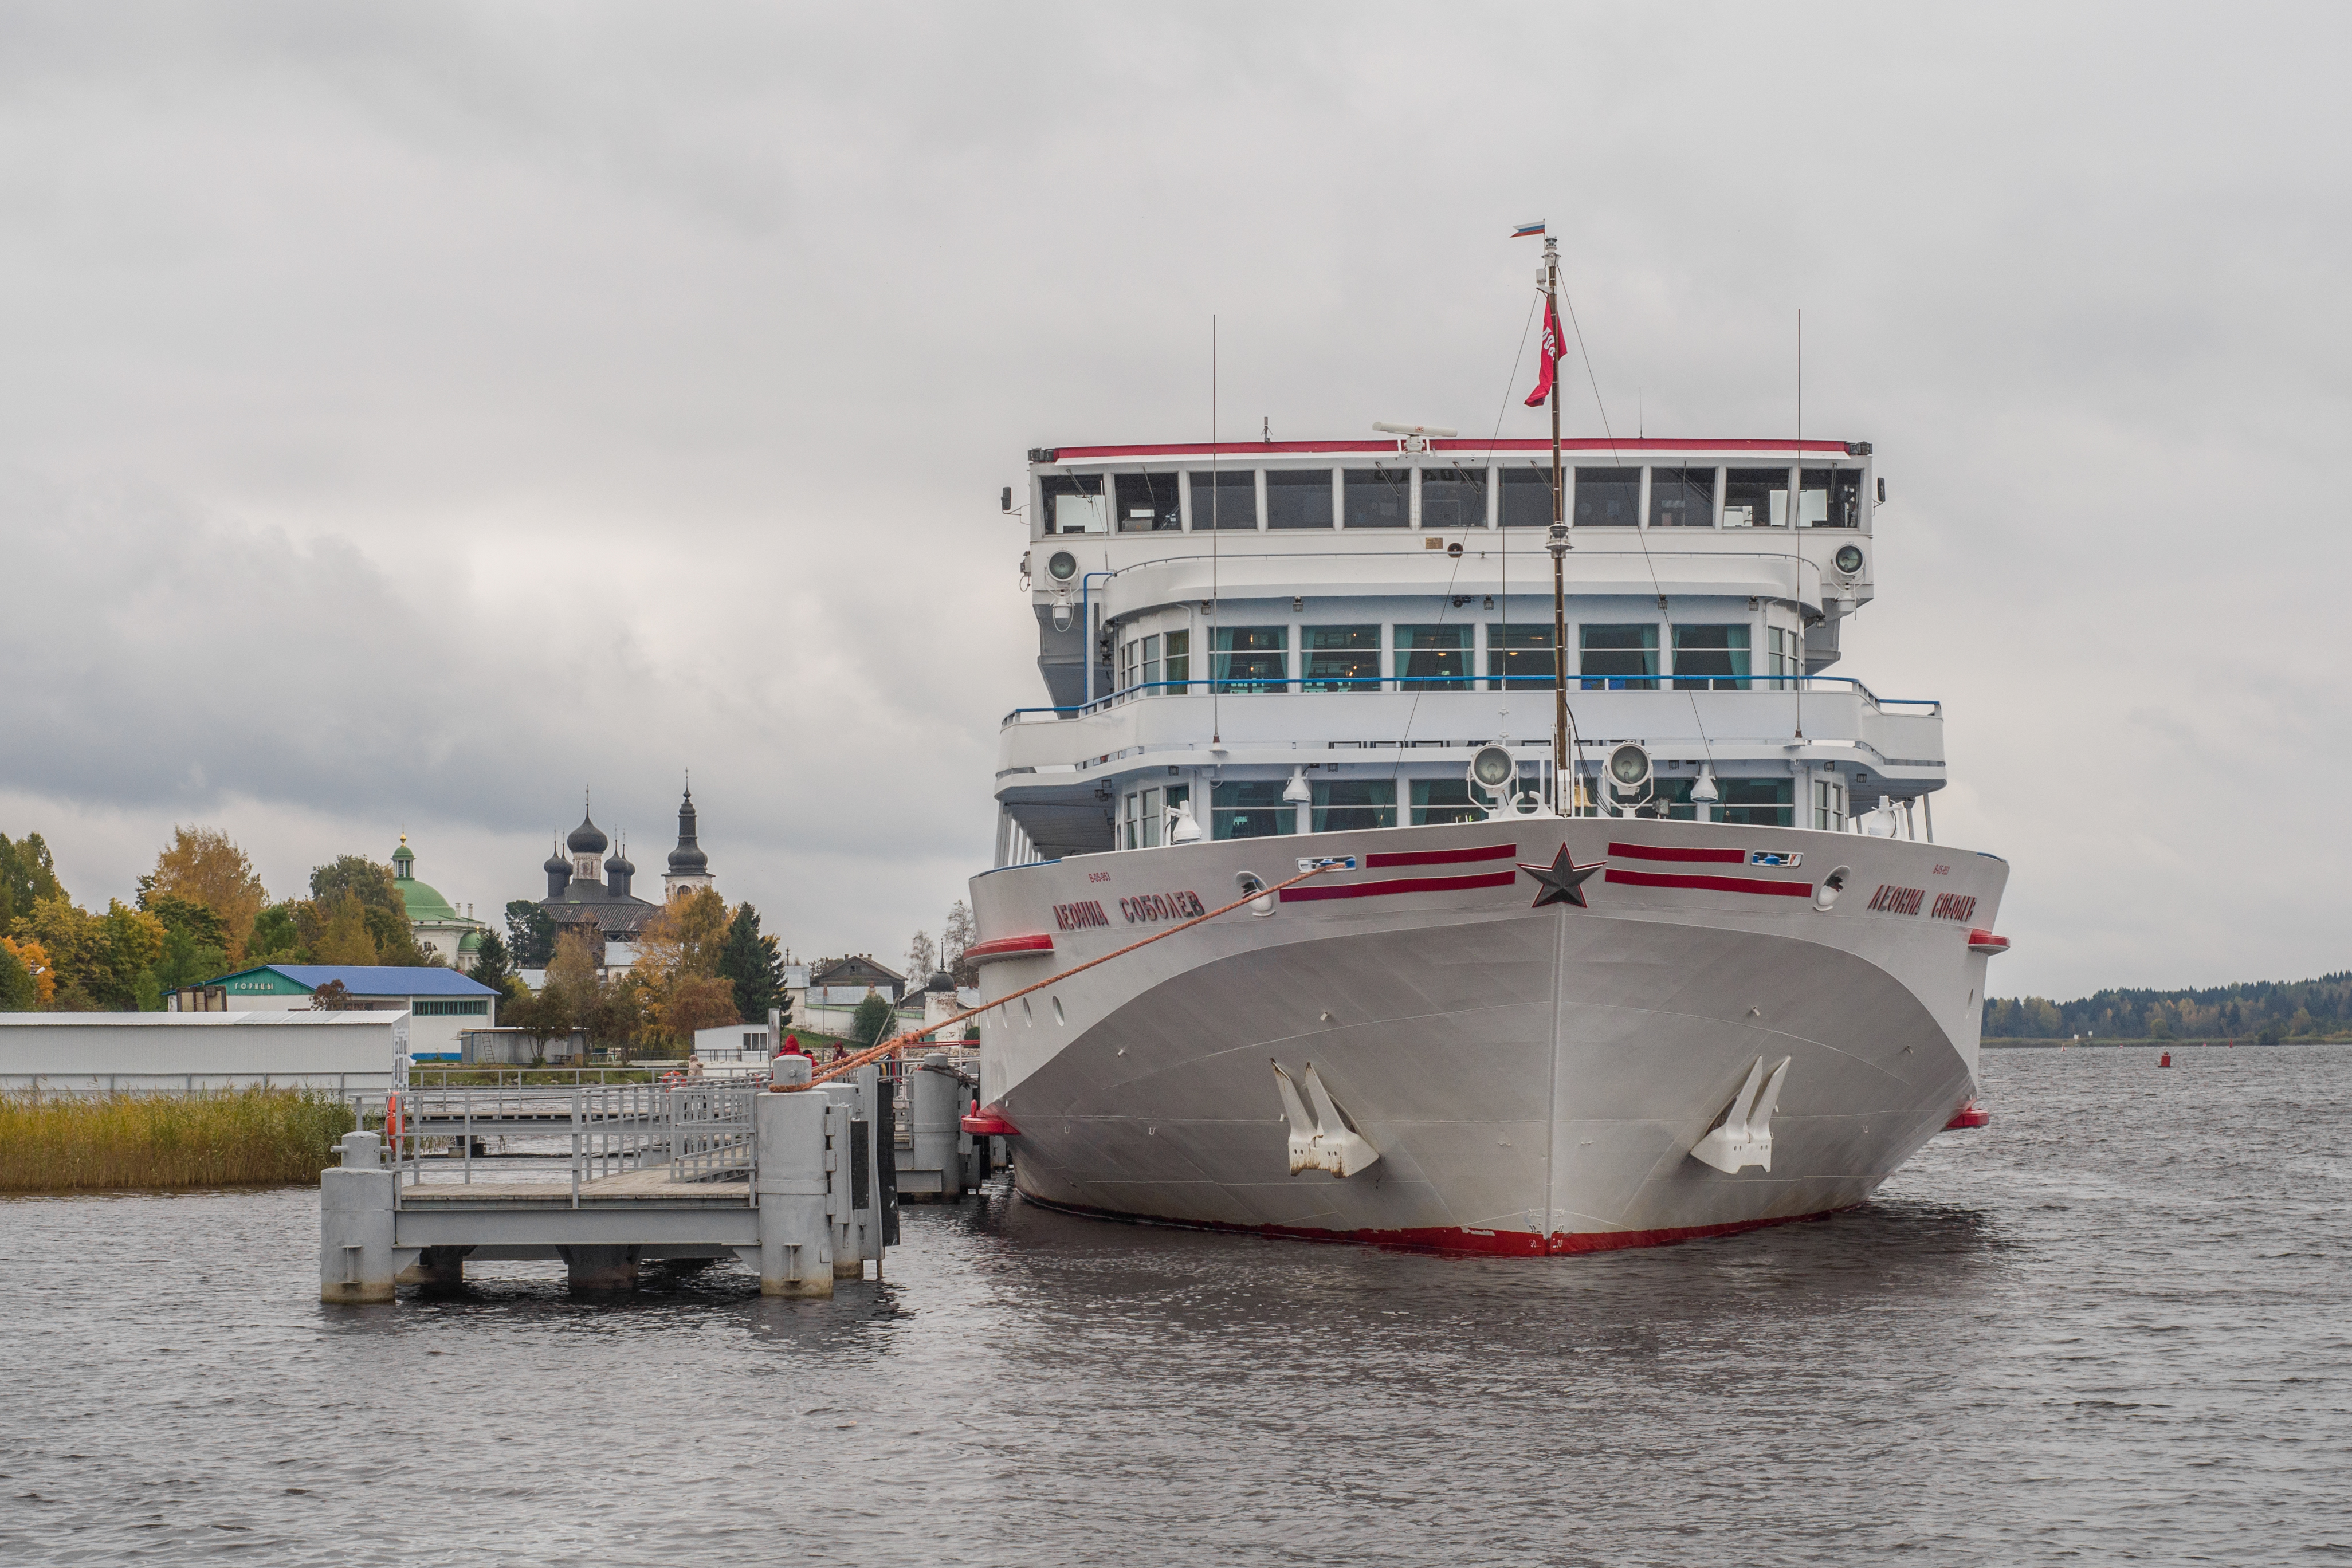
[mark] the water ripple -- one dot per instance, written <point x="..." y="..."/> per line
<point x="2108" y="1328"/>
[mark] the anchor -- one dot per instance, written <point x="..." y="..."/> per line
<point x="1744" y="1136"/>
<point x="1323" y="1141"/>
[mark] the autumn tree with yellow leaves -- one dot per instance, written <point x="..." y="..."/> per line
<point x="676" y="971"/>
<point x="203" y="866"/>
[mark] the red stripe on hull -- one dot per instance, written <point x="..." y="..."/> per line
<point x="1443" y="857"/>
<point x="1455" y="1239"/>
<point x="1310" y="893"/>
<point x="1712" y="883"/>
<point x="1663" y="852"/>
<point x="1010" y="947"/>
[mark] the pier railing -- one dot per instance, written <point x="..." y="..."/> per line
<point x="710" y="1133"/>
<point x="699" y="1134"/>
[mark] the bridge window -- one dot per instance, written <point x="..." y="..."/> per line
<point x="1146" y="503"/>
<point x="1377" y="497"/>
<point x="1252" y="659"/>
<point x="1298" y="500"/>
<point x="1139" y="664"/>
<point x="1711" y="658"/>
<point x="1830" y="499"/>
<point x="1179" y="667"/>
<point x="1608" y="498"/>
<point x="1073" y="504"/>
<point x="1781" y="656"/>
<point x="1340" y="658"/>
<point x="1453" y="498"/>
<point x="1682" y="498"/>
<point x="1618" y="658"/>
<point x="1342" y="804"/>
<point x="1225" y="500"/>
<point x="1432" y="658"/>
<point x="1526" y="497"/>
<point x="1751" y="802"/>
<point x="1250" y="809"/>
<point x="1756" y="498"/>
<point x="1444" y="800"/>
<point x="1518" y="658"/>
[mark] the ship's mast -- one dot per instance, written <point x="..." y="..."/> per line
<point x="1564" y="791"/>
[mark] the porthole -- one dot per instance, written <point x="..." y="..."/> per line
<point x="1027" y="1016"/>
<point x="1826" y="894"/>
<point x="1059" y="1017"/>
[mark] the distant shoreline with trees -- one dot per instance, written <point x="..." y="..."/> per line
<point x="2250" y="1012"/>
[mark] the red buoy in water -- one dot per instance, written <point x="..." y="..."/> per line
<point x="1968" y="1116"/>
<point x="2165" y="1060"/>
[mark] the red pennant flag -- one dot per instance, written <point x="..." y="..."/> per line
<point x="1551" y="355"/>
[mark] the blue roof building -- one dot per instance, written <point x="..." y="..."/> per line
<point x="441" y="1003"/>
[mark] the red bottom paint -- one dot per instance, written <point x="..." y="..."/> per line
<point x="1968" y="1116"/>
<point x="1447" y="1239"/>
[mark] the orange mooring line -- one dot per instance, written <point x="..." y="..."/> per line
<point x="899" y="1042"/>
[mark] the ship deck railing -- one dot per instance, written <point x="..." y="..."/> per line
<point x="1299" y="685"/>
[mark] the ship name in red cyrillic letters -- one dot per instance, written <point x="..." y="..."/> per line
<point x="1071" y="917"/>
<point x="1892" y="900"/>
<point x="1953" y="906"/>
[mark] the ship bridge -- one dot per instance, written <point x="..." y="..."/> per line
<point x="1300" y="637"/>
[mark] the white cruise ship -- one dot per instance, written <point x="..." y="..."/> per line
<point x="1724" y="977"/>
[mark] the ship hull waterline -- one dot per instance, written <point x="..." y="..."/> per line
<point x="1533" y="1078"/>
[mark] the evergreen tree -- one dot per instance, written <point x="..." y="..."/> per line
<point x="871" y="1025"/>
<point x="530" y="934"/>
<point x="751" y="963"/>
<point x="490" y="966"/>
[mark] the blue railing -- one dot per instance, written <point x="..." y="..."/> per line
<point x="1779" y="686"/>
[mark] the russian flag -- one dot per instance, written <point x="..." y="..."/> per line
<point x="1528" y="231"/>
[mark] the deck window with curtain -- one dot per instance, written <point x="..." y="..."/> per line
<point x="1432" y="658"/>
<point x="1252" y="659"/>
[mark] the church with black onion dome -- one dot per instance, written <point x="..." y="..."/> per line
<point x="589" y="893"/>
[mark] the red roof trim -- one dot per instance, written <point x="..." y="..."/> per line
<point x="1581" y="444"/>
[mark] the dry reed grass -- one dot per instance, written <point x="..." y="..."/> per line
<point x="234" y="1137"/>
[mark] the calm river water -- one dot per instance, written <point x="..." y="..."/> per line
<point x="2115" y="1326"/>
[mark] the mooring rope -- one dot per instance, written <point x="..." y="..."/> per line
<point x="899" y="1042"/>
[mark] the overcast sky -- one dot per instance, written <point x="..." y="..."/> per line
<point x="411" y="415"/>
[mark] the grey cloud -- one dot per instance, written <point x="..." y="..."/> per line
<point x="583" y="387"/>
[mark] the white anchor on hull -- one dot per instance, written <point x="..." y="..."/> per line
<point x="1744" y="1137"/>
<point x="1322" y="1140"/>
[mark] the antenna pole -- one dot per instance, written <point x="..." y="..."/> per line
<point x="1564" y="787"/>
